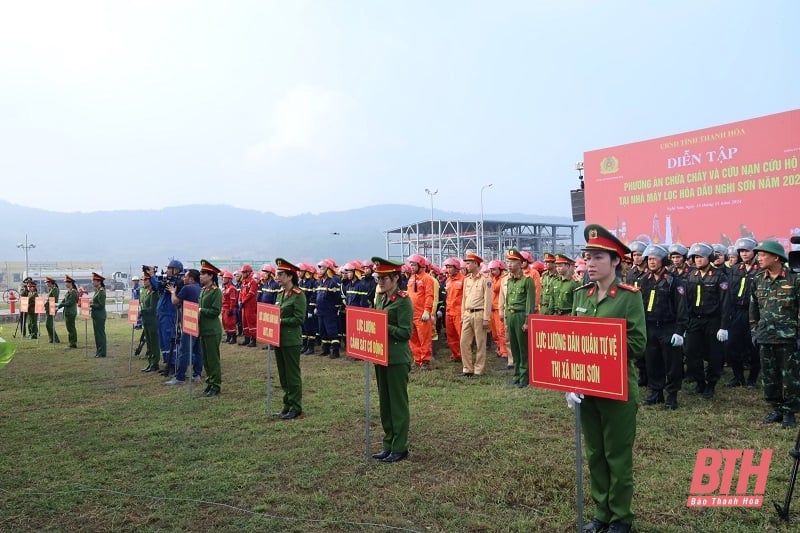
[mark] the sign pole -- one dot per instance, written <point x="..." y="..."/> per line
<point x="269" y="379"/>
<point x="191" y="365"/>
<point x="130" y="360"/>
<point x="86" y="338"/>
<point x="579" y="462"/>
<point x="366" y="411"/>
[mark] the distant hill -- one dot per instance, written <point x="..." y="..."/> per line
<point x="123" y="240"/>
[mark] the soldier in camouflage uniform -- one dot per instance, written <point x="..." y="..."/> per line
<point x="774" y="320"/>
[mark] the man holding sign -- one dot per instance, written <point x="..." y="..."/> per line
<point x="609" y="426"/>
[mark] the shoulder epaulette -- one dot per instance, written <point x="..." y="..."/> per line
<point x="296" y="290"/>
<point x="584" y="286"/>
<point x="628" y="287"/>
<point x="402" y="294"/>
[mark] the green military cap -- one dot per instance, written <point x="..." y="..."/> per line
<point x="561" y="258"/>
<point x="386" y="266"/>
<point x="599" y="238"/>
<point x="772" y="247"/>
<point x="514" y="255"/>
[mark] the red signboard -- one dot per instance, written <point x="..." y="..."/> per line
<point x="86" y="311"/>
<point x="579" y="354"/>
<point x="368" y="335"/>
<point x="191" y="314"/>
<point x="39" y="304"/>
<point x="133" y="312"/>
<point x="23" y="304"/>
<point x="707" y="185"/>
<point x="51" y="308"/>
<point x="268" y="324"/>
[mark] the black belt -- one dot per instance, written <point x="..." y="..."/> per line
<point x="660" y="323"/>
<point x="512" y="311"/>
<point x="474" y="310"/>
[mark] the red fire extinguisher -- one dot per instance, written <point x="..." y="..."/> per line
<point x="12" y="302"/>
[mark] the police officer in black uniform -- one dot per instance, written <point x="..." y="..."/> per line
<point x="740" y="348"/>
<point x="665" y="315"/>
<point x="706" y="298"/>
<point x="632" y="277"/>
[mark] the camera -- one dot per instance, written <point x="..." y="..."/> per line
<point x="794" y="255"/>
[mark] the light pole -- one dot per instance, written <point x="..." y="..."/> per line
<point x="27" y="246"/>
<point x="480" y="250"/>
<point x="432" y="194"/>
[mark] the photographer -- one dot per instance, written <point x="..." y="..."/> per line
<point x="168" y="314"/>
<point x="190" y="292"/>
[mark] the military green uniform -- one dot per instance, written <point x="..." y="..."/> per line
<point x="210" y="329"/>
<point x="148" y="302"/>
<point x="48" y="321"/>
<point x="393" y="379"/>
<point x="609" y="426"/>
<point x="98" y="307"/>
<point x="774" y="322"/>
<point x="546" y="301"/>
<point x="70" y="305"/>
<point x="287" y="355"/>
<point x="562" y="291"/>
<point x="520" y="302"/>
<point x="23" y="317"/>
<point x="33" y="318"/>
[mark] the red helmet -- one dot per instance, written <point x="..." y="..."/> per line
<point x="527" y="256"/>
<point x="496" y="263"/>
<point x="268" y="268"/>
<point x="262" y="276"/>
<point x="451" y="262"/>
<point x="226" y="274"/>
<point x="418" y="259"/>
<point x="538" y="265"/>
<point x="326" y="264"/>
<point x="246" y="268"/>
<point x="461" y="263"/>
<point x="433" y="268"/>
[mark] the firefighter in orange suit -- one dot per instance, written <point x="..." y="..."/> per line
<point x="530" y="271"/>
<point x="420" y="291"/>
<point x="497" y="273"/>
<point x="452" y="318"/>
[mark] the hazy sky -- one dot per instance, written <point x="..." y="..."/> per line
<point x="308" y="106"/>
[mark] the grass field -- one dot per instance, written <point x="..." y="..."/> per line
<point x="89" y="445"/>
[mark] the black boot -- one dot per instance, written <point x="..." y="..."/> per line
<point x="335" y="353"/>
<point x="252" y="343"/>
<point x="708" y="392"/>
<point x="326" y="350"/>
<point x="245" y="342"/>
<point x="737" y="381"/>
<point x="656" y="397"/>
<point x="671" y="402"/>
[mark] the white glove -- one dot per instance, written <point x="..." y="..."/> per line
<point x="439" y="314"/>
<point x="426" y="316"/>
<point x="722" y="335"/>
<point x="573" y="399"/>
<point x="677" y="340"/>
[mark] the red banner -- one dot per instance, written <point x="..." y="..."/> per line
<point x="51" y="308"/>
<point x="579" y="354"/>
<point x="368" y="335"/>
<point x="86" y="311"/>
<point x="133" y="312"/>
<point x="268" y="324"/>
<point x="39" y="305"/>
<point x="191" y="315"/>
<point x="707" y="185"/>
<point x="23" y="304"/>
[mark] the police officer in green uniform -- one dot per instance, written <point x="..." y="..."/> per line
<point x="609" y="426"/>
<point x="210" y="327"/>
<point x="392" y="379"/>
<point x="52" y="292"/>
<point x="548" y="279"/>
<point x="774" y="320"/>
<point x="98" y="307"/>
<point x="148" y="304"/>
<point x="520" y="302"/>
<point x="70" y="306"/>
<point x="293" y="303"/>
<point x="33" y="317"/>
<point x="563" y="286"/>
<point x="23" y="317"/>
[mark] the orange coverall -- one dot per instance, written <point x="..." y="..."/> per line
<point x="497" y="325"/>
<point x="452" y="317"/>
<point x="420" y="291"/>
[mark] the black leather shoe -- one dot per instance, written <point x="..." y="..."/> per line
<point x="98" y="356"/>
<point x="618" y="527"/>
<point x="466" y="374"/>
<point x="281" y="413"/>
<point x="290" y="415"/>
<point x="595" y="526"/>
<point x="382" y="455"/>
<point x="146" y="369"/>
<point x="772" y="418"/>
<point x="708" y="392"/>
<point x="671" y="402"/>
<point x="210" y="393"/>
<point x="789" y="421"/>
<point x="656" y="397"/>
<point x="394" y="457"/>
<point x="522" y="384"/>
<point x="735" y="382"/>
